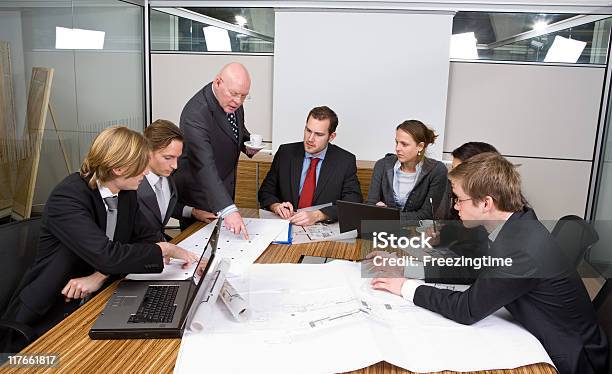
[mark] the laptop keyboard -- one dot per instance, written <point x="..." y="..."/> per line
<point x="157" y="306"/>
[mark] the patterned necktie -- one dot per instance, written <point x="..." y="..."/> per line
<point x="310" y="184"/>
<point x="231" y="117"/>
<point x="111" y="216"/>
<point x="161" y="200"/>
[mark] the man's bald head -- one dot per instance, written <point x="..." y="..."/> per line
<point x="231" y="86"/>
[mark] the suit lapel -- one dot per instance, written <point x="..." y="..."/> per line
<point x="123" y="209"/>
<point x="297" y="161"/>
<point x="219" y="115"/>
<point x="425" y="169"/>
<point x="326" y="173"/>
<point x="390" y="172"/>
<point x="172" y="202"/>
<point x="149" y="199"/>
<point x="99" y="208"/>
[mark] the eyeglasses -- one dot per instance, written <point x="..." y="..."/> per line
<point x="459" y="201"/>
<point x="233" y="94"/>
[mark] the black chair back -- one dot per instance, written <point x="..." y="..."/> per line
<point x="603" y="308"/>
<point x="17" y="252"/>
<point x="574" y="236"/>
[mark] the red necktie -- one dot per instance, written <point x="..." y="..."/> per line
<point x="310" y="183"/>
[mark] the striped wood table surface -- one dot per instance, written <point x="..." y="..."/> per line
<point x="79" y="354"/>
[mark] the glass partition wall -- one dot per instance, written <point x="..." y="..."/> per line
<point x="96" y="51"/>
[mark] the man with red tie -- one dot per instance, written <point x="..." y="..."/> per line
<point x="311" y="173"/>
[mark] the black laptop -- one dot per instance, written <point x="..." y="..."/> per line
<point x="154" y="309"/>
<point x="351" y="214"/>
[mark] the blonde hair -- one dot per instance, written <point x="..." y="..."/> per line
<point x="490" y="174"/>
<point x="115" y="147"/>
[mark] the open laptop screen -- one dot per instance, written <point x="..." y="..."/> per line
<point x="207" y="257"/>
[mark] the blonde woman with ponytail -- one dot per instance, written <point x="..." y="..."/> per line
<point x="77" y="239"/>
<point x="409" y="180"/>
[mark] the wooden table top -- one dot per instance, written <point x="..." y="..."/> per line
<point x="79" y="354"/>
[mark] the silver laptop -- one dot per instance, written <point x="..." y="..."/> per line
<point x="154" y="309"/>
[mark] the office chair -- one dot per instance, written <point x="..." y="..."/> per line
<point x="574" y="236"/>
<point x="603" y="308"/>
<point x="17" y="253"/>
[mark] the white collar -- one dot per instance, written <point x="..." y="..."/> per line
<point x="104" y="191"/>
<point x="152" y="178"/>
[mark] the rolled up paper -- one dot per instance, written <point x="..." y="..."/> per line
<point x="234" y="302"/>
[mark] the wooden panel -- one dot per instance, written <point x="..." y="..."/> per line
<point x="365" y="177"/>
<point x="264" y="168"/>
<point x="7" y="130"/>
<point x="36" y="116"/>
<point x="246" y="187"/>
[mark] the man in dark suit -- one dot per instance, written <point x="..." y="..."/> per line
<point x="213" y="124"/>
<point x="541" y="290"/>
<point x="312" y="172"/>
<point x="157" y="194"/>
<point x="91" y="222"/>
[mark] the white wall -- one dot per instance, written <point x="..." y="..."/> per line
<point x="544" y="116"/>
<point x="375" y="70"/>
<point x="172" y="87"/>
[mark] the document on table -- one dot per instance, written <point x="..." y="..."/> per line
<point x="310" y="234"/>
<point x="328" y="319"/>
<point x="241" y="253"/>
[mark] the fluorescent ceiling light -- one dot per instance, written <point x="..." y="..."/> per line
<point x="240" y="21"/>
<point x="540" y="26"/>
<point x="565" y="50"/>
<point x="463" y="46"/>
<point x="66" y="38"/>
<point x="217" y="39"/>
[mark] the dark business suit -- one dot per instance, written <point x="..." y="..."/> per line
<point x="150" y="212"/>
<point x="73" y="244"/>
<point x="206" y="175"/>
<point x="432" y="182"/>
<point x="541" y="292"/>
<point x="337" y="178"/>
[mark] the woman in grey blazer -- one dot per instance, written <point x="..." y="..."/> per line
<point x="407" y="179"/>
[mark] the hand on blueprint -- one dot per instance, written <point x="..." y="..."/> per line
<point x="170" y="250"/>
<point x="233" y="222"/>
<point x="202" y="215"/>
<point x="376" y="265"/>
<point x="78" y="288"/>
<point x="283" y="210"/>
<point x="307" y="218"/>
<point x="393" y="285"/>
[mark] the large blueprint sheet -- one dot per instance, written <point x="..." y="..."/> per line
<point x="326" y="318"/>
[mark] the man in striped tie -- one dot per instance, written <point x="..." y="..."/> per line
<point x="310" y="173"/>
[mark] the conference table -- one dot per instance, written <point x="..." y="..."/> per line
<point x="79" y="354"/>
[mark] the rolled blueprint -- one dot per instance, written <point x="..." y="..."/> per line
<point x="234" y="302"/>
<point x="207" y="296"/>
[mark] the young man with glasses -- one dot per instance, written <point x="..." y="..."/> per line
<point x="541" y="290"/>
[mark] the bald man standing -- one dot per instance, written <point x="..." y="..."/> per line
<point x="213" y="125"/>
